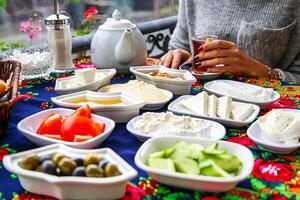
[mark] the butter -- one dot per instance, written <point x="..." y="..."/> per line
<point x="224" y="107"/>
<point x="85" y="76"/>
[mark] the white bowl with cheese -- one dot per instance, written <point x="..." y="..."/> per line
<point x="176" y="81"/>
<point x="243" y="92"/>
<point x="118" y="107"/>
<point x="71" y="187"/>
<point x="278" y="131"/>
<point x="151" y="124"/>
<point x="189" y="181"/>
<point x="84" y="79"/>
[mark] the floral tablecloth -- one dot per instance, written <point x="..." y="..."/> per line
<point x="273" y="177"/>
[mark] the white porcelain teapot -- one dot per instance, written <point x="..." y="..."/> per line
<point x="118" y="44"/>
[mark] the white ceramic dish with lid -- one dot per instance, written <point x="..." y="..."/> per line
<point x="71" y="187"/>
<point x="254" y="132"/>
<point x="177" y="108"/>
<point x="217" y="131"/>
<point x="176" y="86"/>
<point x="29" y="125"/>
<point x="196" y="182"/>
<point x="119" y="112"/>
<point x="240" y="86"/>
<point x="102" y="77"/>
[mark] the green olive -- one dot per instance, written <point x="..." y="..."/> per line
<point x="57" y="157"/>
<point x="66" y="166"/>
<point x="91" y="159"/>
<point x="93" y="170"/>
<point x="30" y="162"/>
<point x="111" y="170"/>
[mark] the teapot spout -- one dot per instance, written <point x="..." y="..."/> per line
<point x="124" y="50"/>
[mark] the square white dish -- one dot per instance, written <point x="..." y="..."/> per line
<point x="29" y="125"/>
<point x="177" y="108"/>
<point x="118" y="113"/>
<point x="148" y="105"/>
<point x="70" y="187"/>
<point x="196" y="182"/>
<point x="104" y="79"/>
<point x="254" y="133"/>
<point x="217" y="131"/>
<point x="179" y="87"/>
<point x="245" y="86"/>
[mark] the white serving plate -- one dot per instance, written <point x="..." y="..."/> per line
<point x="29" y="125"/>
<point x="94" y="86"/>
<point x="237" y="84"/>
<point x="217" y="131"/>
<point x="199" y="76"/>
<point x="148" y="105"/>
<point x="196" y="182"/>
<point x="70" y="187"/>
<point x="118" y="113"/>
<point x="179" y="109"/>
<point x="179" y="87"/>
<point x="254" y="133"/>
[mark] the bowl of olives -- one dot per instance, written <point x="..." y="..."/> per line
<point x="67" y="173"/>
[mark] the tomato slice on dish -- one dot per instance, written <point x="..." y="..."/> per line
<point x="82" y="138"/>
<point x="51" y="125"/>
<point x="99" y="127"/>
<point x="84" y="111"/>
<point x="53" y="136"/>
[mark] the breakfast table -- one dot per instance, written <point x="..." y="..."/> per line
<point x="274" y="176"/>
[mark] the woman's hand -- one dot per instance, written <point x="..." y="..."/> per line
<point x="174" y="58"/>
<point x="221" y="52"/>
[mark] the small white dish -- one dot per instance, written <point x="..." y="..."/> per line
<point x="195" y="182"/>
<point x="71" y="187"/>
<point x="120" y="113"/>
<point x="217" y="131"/>
<point x="176" y="86"/>
<point x="254" y="133"/>
<point x="177" y="108"/>
<point x="239" y="85"/>
<point x="199" y="76"/>
<point x="29" y="125"/>
<point x="148" y="105"/>
<point x="102" y="77"/>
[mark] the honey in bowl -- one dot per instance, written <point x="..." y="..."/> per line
<point x="96" y="101"/>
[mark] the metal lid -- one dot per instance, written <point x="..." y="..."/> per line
<point x="116" y="23"/>
<point x="59" y="19"/>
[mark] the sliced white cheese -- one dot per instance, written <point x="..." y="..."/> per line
<point x="241" y="111"/>
<point x="85" y="76"/>
<point x="224" y="107"/>
<point x="197" y="104"/>
<point x="212" y="105"/>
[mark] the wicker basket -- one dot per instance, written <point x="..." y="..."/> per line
<point x="9" y="72"/>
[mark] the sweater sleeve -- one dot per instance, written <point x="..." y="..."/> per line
<point x="292" y="73"/>
<point x="180" y="36"/>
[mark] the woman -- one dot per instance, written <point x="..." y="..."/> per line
<point x="257" y="38"/>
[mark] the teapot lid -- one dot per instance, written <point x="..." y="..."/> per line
<point x="116" y="23"/>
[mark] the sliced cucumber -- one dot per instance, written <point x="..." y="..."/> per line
<point x="186" y="165"/>
<point x="162" y="163"/>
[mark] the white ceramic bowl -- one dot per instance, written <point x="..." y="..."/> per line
<point x="148" y="105"/>
<point x="195" y="182"/>
<point x="217" y="131"/>
<point x="70" y="187"/>
<point x="108" y="74"/>
<point x="118" y="113"/>
<point x="254" y="133"/>
<point x="29" y="125"/>
<point x="236" y="84"/>
<point x="179" y="87"/>
<point x="177" y="108"/>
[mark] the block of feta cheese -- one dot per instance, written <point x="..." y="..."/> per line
<point x="212" y="105"/>
<point x="224" y="107"/>
<point x="85" y="76"/>
<point x="197" y="104"/>
<point x="241" y="111"/>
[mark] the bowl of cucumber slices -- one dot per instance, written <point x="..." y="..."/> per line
<point x="199" y="164"/>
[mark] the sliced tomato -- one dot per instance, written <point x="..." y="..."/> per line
<point x="82" y="138"/>
<point x="77" y="125"/>
<point x="53" y="136"/>
<point x="99" y="127"/>
<point x="84" y="111"/>
<point x="51" y="125"/>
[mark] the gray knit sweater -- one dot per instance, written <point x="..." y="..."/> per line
<point x="266" y="30"/>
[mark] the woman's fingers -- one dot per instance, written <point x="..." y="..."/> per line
<point x="218" y="61"/>
<point x="177" y="57"/>
<point x="216" y="53"/>
<point x="217" y="44"/>
<point x="168" y="59"/>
